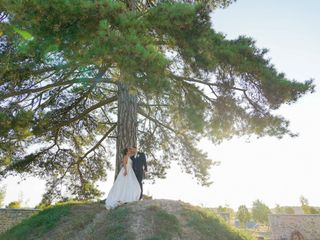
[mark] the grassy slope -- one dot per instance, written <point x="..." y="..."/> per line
<point x="66" y="221"/>
<point x="57" y="222"/>
<point x="38" y="225"/>
<point x="209" y="226"/>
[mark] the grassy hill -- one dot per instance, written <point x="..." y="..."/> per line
<point x="143" y="220"/>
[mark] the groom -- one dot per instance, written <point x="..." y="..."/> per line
<point x="139" y="165"/>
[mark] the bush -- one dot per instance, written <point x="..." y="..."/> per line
<point x="14" y="204"/>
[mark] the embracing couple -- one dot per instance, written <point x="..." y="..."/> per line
<point x="128" y="185"/>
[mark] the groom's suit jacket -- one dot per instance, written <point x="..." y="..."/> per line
<point x="139" y="163"/>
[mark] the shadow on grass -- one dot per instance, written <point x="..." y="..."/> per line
<point x="164" y="225"/>
<point x="118" y="224"/>
<point x="209" y="226"/>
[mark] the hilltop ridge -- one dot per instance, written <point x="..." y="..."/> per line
<point x="143" y="220"/>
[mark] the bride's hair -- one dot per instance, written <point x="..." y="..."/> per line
<point x="125" y="151"/>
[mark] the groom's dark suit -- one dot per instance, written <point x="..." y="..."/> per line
<point x="139" y="165"/>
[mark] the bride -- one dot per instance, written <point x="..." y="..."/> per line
<point x="126" y="187"/>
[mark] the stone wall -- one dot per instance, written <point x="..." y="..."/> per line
<point x="10" y="217"/>
<point x="282" y="226"/>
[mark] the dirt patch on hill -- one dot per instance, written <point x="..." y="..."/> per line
<point x="144" y="223"/>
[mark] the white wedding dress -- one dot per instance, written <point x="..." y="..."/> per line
<point x="125" y="188"/>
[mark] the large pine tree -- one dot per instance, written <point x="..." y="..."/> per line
<point x="79" y="79"/>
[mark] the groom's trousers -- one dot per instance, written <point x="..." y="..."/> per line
<point x="140" y="182"/>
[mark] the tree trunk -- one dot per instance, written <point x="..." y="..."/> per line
<point x="127" y="123"/>
<point x="127" y="118"/>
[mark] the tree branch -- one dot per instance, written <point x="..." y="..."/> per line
<point x="98" y="105"/>
<point x="244" y="91"/>
<point x="100" y="141"/>
<point x="141" y="112"/>
<point x="53" y="85"/>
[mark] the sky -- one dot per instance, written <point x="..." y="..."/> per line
<point x="276" y="171"/>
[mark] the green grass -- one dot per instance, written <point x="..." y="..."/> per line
<point x="39" y="224"/>
<point x="164" y="225"/>
<point x="118" y="225"/>
<point x="211" y="227"/>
